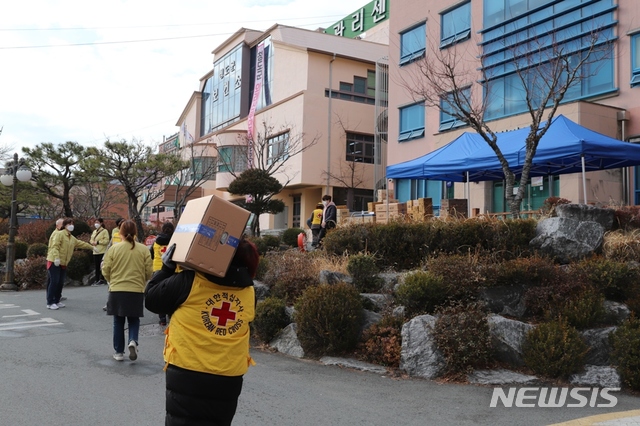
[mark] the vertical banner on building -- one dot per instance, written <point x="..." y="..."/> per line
<point x="257" y="89"/>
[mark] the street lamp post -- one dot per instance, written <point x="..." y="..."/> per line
<point x="15" y="171"/>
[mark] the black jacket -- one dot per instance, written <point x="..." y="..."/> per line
<point x="194" y="398"/>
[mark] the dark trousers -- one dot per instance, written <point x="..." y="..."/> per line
<point x="56" y="281"/>
<point x="97" y="260"/>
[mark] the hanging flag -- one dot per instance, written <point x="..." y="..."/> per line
<point x="257" y="89"/>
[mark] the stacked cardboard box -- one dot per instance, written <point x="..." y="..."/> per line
<point x="342" y="214"/>
<point x="395" y="210"/>
<point x="382" y="194"/>
<point x="453" y="207"/>
<point x="420" y="209"/>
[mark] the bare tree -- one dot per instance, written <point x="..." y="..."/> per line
<point x="269" y="151"/>
<point x="137" y="169"/>
<point x="201" y="168"/>
<point x="93" y="198"/>
<point x="449" y="80"/>
<point x="350" y="174"/>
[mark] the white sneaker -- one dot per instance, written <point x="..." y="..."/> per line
<point x="133" y="350"/>
<point x="61" y="305"/>
<point x="118" y="356"/>
<point x="54" y="306"/>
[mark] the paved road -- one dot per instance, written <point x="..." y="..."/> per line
<point x="56" y="369"/>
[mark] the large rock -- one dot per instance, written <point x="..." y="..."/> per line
<point x="380" y="301"/>
<point x="419" y="356"/>
<point x="597" y="376"/>
<point x="261" y="289"/>
<point x="597" y="339"/>
<point x="617" y="311"/>
<point x="505" y="300"/>
<point x="370" y="318"/>
<point x="568" y="240"/>
<point x="507" y="337"/>
<point x="330" y="277"/>
<point x="287" y="341"/>
<point x="586" y="213"/>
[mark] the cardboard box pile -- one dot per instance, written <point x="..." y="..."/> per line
<point x="420" y="209"/>
<point x="453" y="207"/>
<point x="395" y="210"/>
<point x="208" y="234"/>
<point x="382" y="194"/>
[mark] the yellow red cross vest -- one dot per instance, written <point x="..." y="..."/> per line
<point x="209" y="332"/>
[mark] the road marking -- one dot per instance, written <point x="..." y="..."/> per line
<point x="27" y="312"/>
<point x="29" y="324"/>
<point x="8" y="306"/>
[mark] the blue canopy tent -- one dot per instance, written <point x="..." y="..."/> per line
<point x="566" y="147"/>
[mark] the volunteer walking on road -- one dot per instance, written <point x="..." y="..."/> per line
<point x="157" y="250"/>
<point x="207" y="341"/>
<point x="99" y="240"/>
<point x="58" y="256"/>
<point x="127" y="267"/>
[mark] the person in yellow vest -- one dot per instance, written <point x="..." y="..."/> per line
<point x="316" y="221"/>
<point x="157" y="250"/>
<point x="58" y="256"/>
<point x="127" y="267"/>
<point x="99" y="240"/>
<point x="115" y="233"/>
<point x="207" y="341"/>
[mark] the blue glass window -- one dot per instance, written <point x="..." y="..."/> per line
<point x="413" y="44"/>
<point x="448" y="120"/>
<point x="411" y="122"/>
<point x="455" y="25"/>
<point x="635" y="60"/>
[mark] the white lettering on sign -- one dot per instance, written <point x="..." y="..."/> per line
<point x="553" y="397"/>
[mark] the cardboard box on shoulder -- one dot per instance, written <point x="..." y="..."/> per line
<point x="208" y="234"/>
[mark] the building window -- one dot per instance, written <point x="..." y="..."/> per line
<point x="203" y="167"/>
<point x="278" y="148"/>
<point x="362" y="90"/>
<point x="522" y="35"/>
<point x="232" y="159"/>
<point x="635" y="60"/>
<point x="360" y="148"/>
<point x="413" y="44"/>
<point x="411" y="122"/>
<point x="448" y="106"/>
<point x="455" y="25"/>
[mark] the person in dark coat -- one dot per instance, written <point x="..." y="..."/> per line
<point x="207" y="341"/>
<point x="329" y="217"/>
<point x="157" y="250"/>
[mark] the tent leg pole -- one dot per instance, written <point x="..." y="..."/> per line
<point x="584" y="181"/>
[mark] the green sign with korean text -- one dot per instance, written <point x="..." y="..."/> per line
<point x="361" y="20"/>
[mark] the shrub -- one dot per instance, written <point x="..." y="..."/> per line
<point x="290" y="236"/>
<point x="616" y="280"/>
<point x="625" y="353"/>
<point x="81" y="264"/>
<point x="622" y="246"/>
<point x="35" y="231"/>
<point x="31" y="273"/>
<point x="363" y="270"/>
<point x="329" y="318"/>
<point x="460" y="272"/>
<point x="527" y="271"/>
<point x="554" y="349"/>
<point x="271" y="317"/>
<point x="565" y="285"/>
<point x="549" y="205"/>
<point x="585" y="310"/>
<point x="263" y="267"/>
<point x="21" y="249"/>
<point x="37" y="249"/>
<point x="382" y="342"/>
<point x="421" y="292"/>
<point x="461" y="333"/>
<point x="627" y="217"/>
<point x="290" y="273"/>
<point x="266" y="243"/>
<point x="80" y="227"/>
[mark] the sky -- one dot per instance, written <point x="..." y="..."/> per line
<point x="88" y="71"/>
